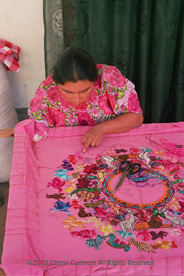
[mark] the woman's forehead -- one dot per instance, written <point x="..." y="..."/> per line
<point x="76" y="87"/>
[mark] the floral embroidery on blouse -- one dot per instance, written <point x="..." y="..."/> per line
<point x="113" y="95"/>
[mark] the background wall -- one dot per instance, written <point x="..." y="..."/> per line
<point x="21" y="22"/>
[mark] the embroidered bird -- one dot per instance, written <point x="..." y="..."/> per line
<point x="62" y="173"/>
<point x="125" y="234"/>
<point x="61" y="206"/>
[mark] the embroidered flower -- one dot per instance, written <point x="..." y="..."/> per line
<point x="143" y="235"/>
<point x="114" y="76"/>
<point x="55" y="117"/>
<point x="53" y="94"/>
<point x="85" y="119"/>
<point x="48" y="81"/>
<point x="133" y="103"/>
<point x="36" y="102"/>
<point x="135" y="150"/>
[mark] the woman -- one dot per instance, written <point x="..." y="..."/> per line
<point x="80" y="92"/>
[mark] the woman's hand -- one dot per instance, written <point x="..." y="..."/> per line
<point x="93" y="137"/>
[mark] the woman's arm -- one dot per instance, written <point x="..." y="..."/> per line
<point x="120" y="124"/>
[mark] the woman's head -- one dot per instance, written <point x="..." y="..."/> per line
<point x="75" y="74"/>
<point x="74" y="64"/>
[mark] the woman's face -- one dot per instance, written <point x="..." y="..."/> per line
<point x="76" y="92"/>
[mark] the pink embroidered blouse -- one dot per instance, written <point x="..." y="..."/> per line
<point x="113" y="95"/>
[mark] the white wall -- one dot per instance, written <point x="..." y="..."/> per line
<point x="21" y="22"/>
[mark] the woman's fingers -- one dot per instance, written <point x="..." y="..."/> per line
<point x="87" y="143"/>
<point x="92" y="138"/>
<point x="91" y="143"/>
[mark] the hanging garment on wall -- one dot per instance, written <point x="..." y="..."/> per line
<point x="9" y="55"/>
<point x="64" y="219"/>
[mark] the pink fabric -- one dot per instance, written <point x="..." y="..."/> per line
<point x="113" y="94"/>
<point x="61" y="207"/>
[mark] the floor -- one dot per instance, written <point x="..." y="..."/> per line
<point x="4" y="188"/>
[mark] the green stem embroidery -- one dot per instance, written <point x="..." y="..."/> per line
<point x="90" y="190"/>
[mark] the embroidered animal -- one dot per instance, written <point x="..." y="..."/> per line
<point x="175" y="213"/>
<point x="102" y="213"/>
<point x="88" y="190"/>
<point x="143" y="216"/>
<point x="125" y="234"/>
<point x="174" y="220"/>
<point x="141" y="246"/>
<point x="101" y="177"/>
<point x="82" y="213"/>
<point x="56" y="183"/>
<point x="96" y="242"/>
<point x="87" y="234"/>
<point x="61" y="206"/>
<point x="94" y="204"/>
<point x="75" y="204"/>
<point x="120" y="150"/>
<point x="67" y="165"/>
<point x="145" y="156"/>
<point x="92" y="169"/>
<point x="129" y="223"/>
<point x="56" y="196"/>
<point x="96" y="222"/>
<point x="160" y="234"/>
<point x="109" y="160"/>
<point x="83" y="183"/>
<point x="112" y="205"/>
<point x="71" y="222"/>
<point x="86" y="196"/>
<point x="62" y="173"/>
<point x="113" y="242"/>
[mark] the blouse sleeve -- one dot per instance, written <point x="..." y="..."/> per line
<point x="121" y="92"/>
<point x="38" y="107"/>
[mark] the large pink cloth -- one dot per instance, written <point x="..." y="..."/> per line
<point x="63" y="218"/>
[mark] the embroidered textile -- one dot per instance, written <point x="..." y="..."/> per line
<point x="62" y="211"/>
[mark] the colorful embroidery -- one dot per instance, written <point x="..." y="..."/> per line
<point x="124" y="219"/>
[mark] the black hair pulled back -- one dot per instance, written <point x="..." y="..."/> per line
<point x="74" y="64"/>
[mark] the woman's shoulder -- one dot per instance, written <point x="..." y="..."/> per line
<point x="48" y="82"/>
<point x="104" y="68"/>
<point x="111" y="75"/>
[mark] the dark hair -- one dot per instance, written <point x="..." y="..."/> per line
<point x="74" y="64"/>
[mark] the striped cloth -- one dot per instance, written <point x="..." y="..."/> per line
<point x="9" y="55"/>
